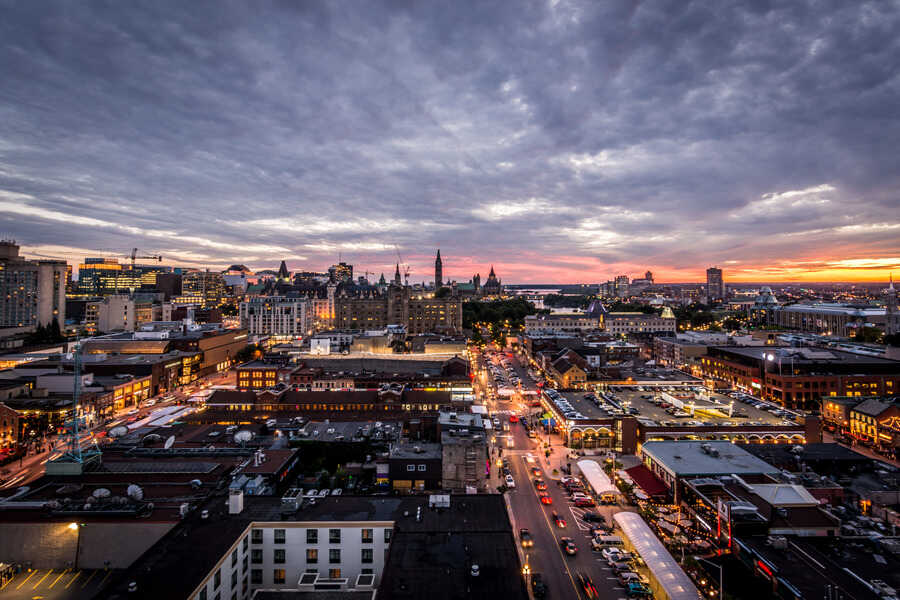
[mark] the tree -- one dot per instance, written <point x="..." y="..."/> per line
<point x="248" y="353"/>
<point x="868" y="335"/>
<point x="442" y="292"/>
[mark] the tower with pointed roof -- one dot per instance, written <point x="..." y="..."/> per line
<point x="397" y="275"/>
<point x="891" y="313"/>
<point x="438" y="271"/>
<point x="283" y="273"/>
<point x="493" y="286"/>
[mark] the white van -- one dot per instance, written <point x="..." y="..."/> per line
<point x="610" y="540"/>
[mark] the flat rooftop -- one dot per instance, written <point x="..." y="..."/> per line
<point x="176" y="564"/>
<point x="689" y="458"/>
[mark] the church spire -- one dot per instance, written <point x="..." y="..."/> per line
<point x="397" y="275"/>
<point x="438" y="270"/>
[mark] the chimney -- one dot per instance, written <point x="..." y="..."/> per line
<point x="235" y="502"/>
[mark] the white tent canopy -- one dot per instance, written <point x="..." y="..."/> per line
<point x="596" y="478"/>
<point x="668" y="575"/>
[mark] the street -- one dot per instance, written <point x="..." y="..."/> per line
<point x="31" y="467"/>
<point x="558" y="570"/>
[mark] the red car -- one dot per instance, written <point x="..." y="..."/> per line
<point x="588" y="586"/>
<point x="560" y="522"/>
<point x="513" y="419"/>
<point x="540" y="485"/>
<point x="536" y="472"/>
<point x="546" y="499"/>
<point x="584" y="502"/>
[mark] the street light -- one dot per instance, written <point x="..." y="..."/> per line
<point x="721" y="582"/>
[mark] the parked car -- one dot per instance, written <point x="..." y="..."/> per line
<point x="584" y="501"/>
<point x="592" y="517"/>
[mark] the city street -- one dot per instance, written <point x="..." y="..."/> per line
<point x="558" y="570"/>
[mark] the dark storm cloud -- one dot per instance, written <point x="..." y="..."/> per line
<point x="571" y="134"/>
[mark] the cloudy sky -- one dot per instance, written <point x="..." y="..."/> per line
<point x="561" y="141"/>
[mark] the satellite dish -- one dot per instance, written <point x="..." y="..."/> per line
<point x="243" y="436"/>
<point x="118" y="431"/>
<point x="135" y="492"/>
<point x="101" y="493"/>
<point x="169" y="442"/>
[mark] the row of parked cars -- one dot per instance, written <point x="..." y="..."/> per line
<point x="760" y="405"/>
<point x="565" y="407"/>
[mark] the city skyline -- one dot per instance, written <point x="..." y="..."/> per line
<point x="560" y="142"/>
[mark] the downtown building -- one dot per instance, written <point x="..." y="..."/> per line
<point x="277" y="316"/>
<point x="32" y="292"/>
<point x="399" y="305"/>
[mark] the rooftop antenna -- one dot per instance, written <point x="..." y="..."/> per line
<point x="74" y="454"/>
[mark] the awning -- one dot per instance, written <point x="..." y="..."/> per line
<point x="647" y="481"/>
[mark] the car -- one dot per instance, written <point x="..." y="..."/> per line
<point x="626" y="577"/>
<point x="538" y="587"/>
<point x="540" y="485"/>
<point x="506" y="471"/>
<point x="609" y="552"/>
<point x="545" y="498"/>
<point x="536" y="472"/>
<point x="587" y="585"/>
<point x="513" y="419"/>
<point x="560" y="522"/>
<point x="149" y="402"/>
<point x="598" y="530"/>
<point x="568" y="545"/>
<point x="525" y="538"/>
<point x="529" y="458"/>
<point x="584" y="502"/>
<point x="592" y="517"/>
<point x="638" y="590"/>
<point x="510" y="482"/>
<point x="620" y="566"/>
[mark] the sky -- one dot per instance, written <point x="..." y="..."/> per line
<point x="559" y="141"/>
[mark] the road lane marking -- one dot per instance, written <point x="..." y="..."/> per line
<point x="58" y="578"/>
<point x="105" y="577"/>
<point x="30" y="575"/>
<point x="42" y="579"/>
<point x="8" y="582"/>
<point x="88" y="580"/>
<point x="71" y="581"/>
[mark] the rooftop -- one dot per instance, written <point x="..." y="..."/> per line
<point x="694" y="458"/>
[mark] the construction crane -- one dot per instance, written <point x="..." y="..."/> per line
<point x="134" y="255"/>
<point x="402" y="265"/>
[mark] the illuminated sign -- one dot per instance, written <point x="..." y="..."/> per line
<point x="240" y="337"/>
<point x="755" y="385"/>
<point x="177" y="363"/>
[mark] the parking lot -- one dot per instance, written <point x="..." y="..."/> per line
<point x="55" y="584"/>
<point x="640" y="404"/>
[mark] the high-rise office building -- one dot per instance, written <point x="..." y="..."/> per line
<point x="341" y="272"/>
<point x="32" y="292"/>
<point x="715" y="285"/>
<point x="206" y="288"/>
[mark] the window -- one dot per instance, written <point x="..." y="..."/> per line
<point x="234" y="580"/>
<point x="279" y="536"/>
<point x="334" y="555"/>
<point x="367" y="535"/>
<point x="245" y="544"/>
<point x="421" y="467"/>
<point x="256" y="536"/>
<point x="256" y="576"/>
<point x="234" y="559"/>
<point x="387" y="536"/>
<point x="203" y="593"/>
<point x="367" y="572"/>
<point x="217" y="579"/>
<point x="279" y="556"/>
<point x="312" y="556"/>
<point x="334" y="573"/>
<point x="256" y="556"/>
<point x="278" y="576"/>
<point x="334" y="536"/>
<point x="244" y="564"/>
<point x="367" y="556"/>
<point x="312" y="536"/>
<point x="410" y="467"/>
